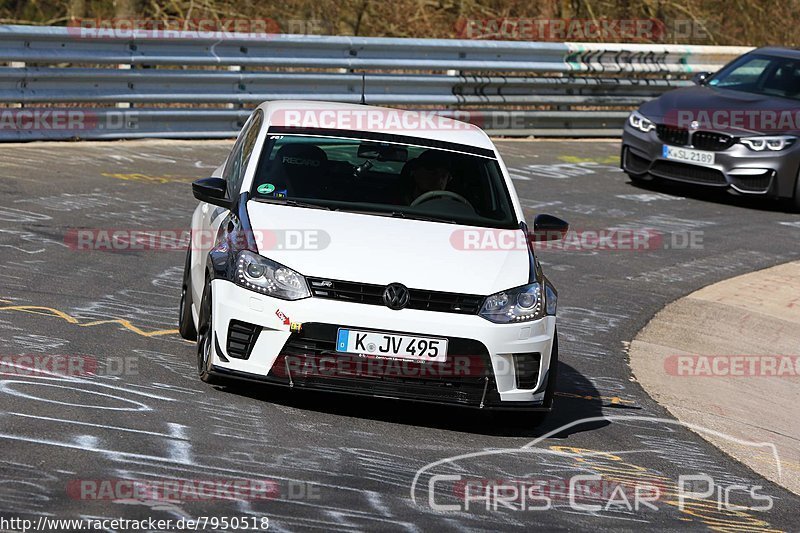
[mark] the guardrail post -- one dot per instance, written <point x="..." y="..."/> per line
<point x="124" y="105"/>
<point x="16" y="64"/>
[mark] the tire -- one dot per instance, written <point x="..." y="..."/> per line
<point x="512" y="419"/>
<point x="185" y="320"/>
<point x="796" y="199"/>
<point x="639" y="179"/>
<point x="552" y="374"/>
<point x="205" y="339"/>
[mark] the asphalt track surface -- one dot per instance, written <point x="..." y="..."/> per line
<point x="340" y="463"/>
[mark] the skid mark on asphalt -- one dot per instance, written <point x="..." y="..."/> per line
<point x="49" y="311"/>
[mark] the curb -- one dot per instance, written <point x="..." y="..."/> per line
<point x="756" y="315"/>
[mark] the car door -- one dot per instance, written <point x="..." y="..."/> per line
<point x="208" y="218"/>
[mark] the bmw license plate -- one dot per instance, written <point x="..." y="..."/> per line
<point x="429" y="349"/>
<point x="698" y="157"/>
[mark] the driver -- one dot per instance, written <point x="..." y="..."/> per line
<point x="430" y="172"/>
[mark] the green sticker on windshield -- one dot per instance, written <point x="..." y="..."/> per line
<point x="265" y="188"/>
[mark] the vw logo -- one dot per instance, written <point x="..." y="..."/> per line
<point x="694" y="125"/>
<point x="395" y="296"/>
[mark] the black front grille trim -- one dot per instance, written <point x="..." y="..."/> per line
<point x="758" y="184"/>
<point x="242" y="337"/>
<point x="688" y="173"/>
<point x="309" y="360"/>
<point x="671" y="135"/>
<point x="712" y="141"/>
<point x="371" y="294"/>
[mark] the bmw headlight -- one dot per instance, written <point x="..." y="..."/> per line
<point x="515" y="305"/>
<point x="638" y="121"/>
<point x="268" y="277"/>
<point x="775" y="143"/>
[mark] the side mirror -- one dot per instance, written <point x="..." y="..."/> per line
<point x="548" y="228"/>
<point x="700" y="78"/>
<point x="212" y="191"/>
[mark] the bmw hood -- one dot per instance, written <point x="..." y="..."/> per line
<point x="733" y="112"/>
<point x="380" y="250"/>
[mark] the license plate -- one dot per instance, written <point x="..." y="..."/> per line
<point x="429" y="349"/>
<point x="697" y="157"/>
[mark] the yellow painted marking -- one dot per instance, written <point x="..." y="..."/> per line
<point x="614" y="400"/>
<point x="49" y="311"/>
<point x="148" y="179"/>
<point x="611" y="159"/>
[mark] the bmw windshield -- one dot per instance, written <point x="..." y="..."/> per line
<point x="761" y="74"/>
<point x="383" y="178"/>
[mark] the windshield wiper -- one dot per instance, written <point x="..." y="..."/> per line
<point x="426" y="217"/>
<point x="293" y="203"/>
<point x="399" y="214"/>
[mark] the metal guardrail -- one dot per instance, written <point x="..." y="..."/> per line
<point x="577" y="89"/>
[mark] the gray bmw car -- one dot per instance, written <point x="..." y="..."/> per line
<point x="736" y="129"/>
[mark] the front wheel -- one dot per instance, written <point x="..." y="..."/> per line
<point x="640" y="179"/>
<point x="796" y="199"/>
<point x="185" y="320"/>
<point x="205" y="339"/>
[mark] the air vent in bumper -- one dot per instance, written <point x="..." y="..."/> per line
<point x="242" y="337"/>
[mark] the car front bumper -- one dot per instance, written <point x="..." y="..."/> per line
<point x="737" y="167"/>
<point x="295" y="346"/>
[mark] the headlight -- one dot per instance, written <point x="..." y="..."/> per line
<point x="268" y="277"/>
<point x="514" y="305"/>
<point x="642" y="124"/>
<point x="775" y="143"/>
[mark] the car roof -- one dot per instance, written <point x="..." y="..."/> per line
<point x="390" y="121"/>
<point x="778" y="51"/>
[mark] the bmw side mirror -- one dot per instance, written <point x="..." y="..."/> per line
<point x="700" y="78"/>
<point x="548" y="228"/>
<point x="212" y="191"/>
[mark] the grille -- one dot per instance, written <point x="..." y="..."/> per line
<point x="674" y="136"/>
<point x="759" y="183"/>
<point x="689" y="173"/>
<point x="241" y="339"/>
<point x="310" y="360"/>
<point x="708" y="140"/>
<point x="635" y="163"/>
<point x="702" y="140"/>
<point x="526" y="367"/>
<point x="444" y="302"/>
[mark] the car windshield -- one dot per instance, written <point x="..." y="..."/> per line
<point x="761" y="74"/>
<point x="380" y="177"/>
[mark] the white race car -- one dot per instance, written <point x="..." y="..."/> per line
<point x="370" y="251"/>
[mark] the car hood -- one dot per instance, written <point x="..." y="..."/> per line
<point x="382" y="250"/>
<point x="680" y="106"/>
